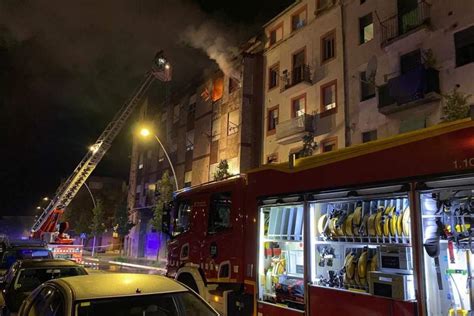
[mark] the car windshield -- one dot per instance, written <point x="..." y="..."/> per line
<point x="175" y="304"/>
<point x="29" y="279"/>
<point x="10" y="256"/>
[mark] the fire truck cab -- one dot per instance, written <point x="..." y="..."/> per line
<point x="206" y="250"/>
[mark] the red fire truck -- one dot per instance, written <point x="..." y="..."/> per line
<point x="382" y="228"/>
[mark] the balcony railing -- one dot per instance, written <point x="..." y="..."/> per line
<point x="293" y="129"/>
<point x="299" y="74"/>
<point x="401" y="24"/>
<point x="417" y="86"/>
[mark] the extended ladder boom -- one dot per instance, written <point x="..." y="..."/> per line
<point x="48" y="220"/>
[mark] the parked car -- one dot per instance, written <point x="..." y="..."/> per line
<point x="26" y="275"/>
<point x="117" y="294"/>
<point x="14" y="253"/>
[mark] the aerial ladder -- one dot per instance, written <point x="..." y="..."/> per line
<point x="48" y="222"/>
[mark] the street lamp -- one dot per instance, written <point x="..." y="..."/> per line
<point x="145" y="132"/>
<point x="90" y="193"/>
<point x="45" y="198"/>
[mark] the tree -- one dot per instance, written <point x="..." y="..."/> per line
<point x="97" y="226"/>
<point x="309" y="145"/>
<point x="222" y="171"/>
<point x="455" y="106"/>
<point x="164" y="197"/>
<point x="122" y="223"/>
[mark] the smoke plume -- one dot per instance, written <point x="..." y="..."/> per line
<point x="214" y="41"/>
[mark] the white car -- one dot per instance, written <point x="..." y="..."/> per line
<point x="115" y="294"/>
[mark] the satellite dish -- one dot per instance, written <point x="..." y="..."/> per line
<point x="371" y="69"/>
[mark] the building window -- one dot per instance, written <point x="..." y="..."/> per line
<point x="272" y="158"/>
<point x="216" y="128"/>
<point x="276" y="34"/>
<point x="322" y="5"/>
<point x="298" y="19"/>
<point x="272" y="120"/>
<point x="138" y="189"/>
<point x="328" y="46"/>
<point x="464" y="43"/>
<point x="219" y="215"/>
<point x="190" y="140"/>
<point x="369" y="136"/>
<point x="410" y="61"/>
<point x="233" y="122"/>
<point x="273" y="76"/>
<point x="140" y="161"/>
<point x="188" y="178"/>
<point x="328" y="145"/>
<point x="299" y="61"/>
<point x="366" y="29"/>
<point x="298" y="106"/>
<point x="217" y="89"/>
<point x="329" y="97"/>
<point x="367" y="89"/>
<point x="161" y="155"/>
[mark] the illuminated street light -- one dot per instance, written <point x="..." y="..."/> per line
<point x="45" y="198"/>
<point x="145" y="132"/>
<point x="38" y="207"/>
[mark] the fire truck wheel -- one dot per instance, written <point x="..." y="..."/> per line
<point x="188" y="280"/>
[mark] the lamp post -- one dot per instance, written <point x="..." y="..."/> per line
<point x="90" y="193"/>
<point x="145" y="132"/>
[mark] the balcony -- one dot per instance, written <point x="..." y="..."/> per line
<point x="418" y="86"/>
<point x="293" y="130"/>
<point x="298" y="75"/>
<point x="398" y="25"/>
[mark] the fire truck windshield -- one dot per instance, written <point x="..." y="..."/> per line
<point x="181" y="217"/>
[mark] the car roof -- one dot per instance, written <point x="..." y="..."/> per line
<point x="46" y="263"/>
<point x="105" y="285"/>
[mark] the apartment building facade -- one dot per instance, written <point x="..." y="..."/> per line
<point x="304" y="86"/>
<point x="213" y="119"/>
<point x="402" y="56"/>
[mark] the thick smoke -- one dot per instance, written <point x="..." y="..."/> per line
<point x="81" y="35"/>
<point x="213" y="40"/>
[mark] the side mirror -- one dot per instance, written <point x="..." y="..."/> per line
<point x="166" y="222"/>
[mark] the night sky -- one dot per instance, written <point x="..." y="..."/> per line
<point x="67" y="66"/>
